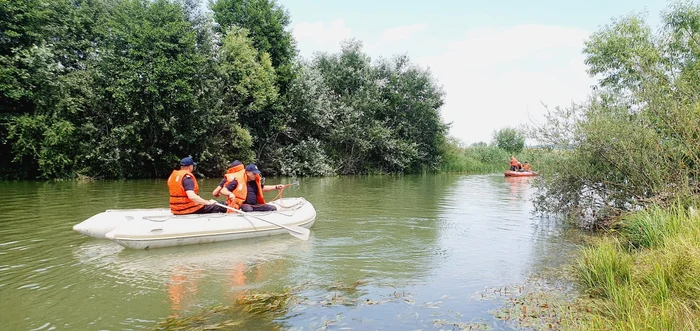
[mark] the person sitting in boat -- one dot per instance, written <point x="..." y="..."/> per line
<point x="237" y="169"/>
<point x="244" y="188"/>
<point x="184" y="192"/>
<point x="527" y="167"/>
<point x="514" y="164"/>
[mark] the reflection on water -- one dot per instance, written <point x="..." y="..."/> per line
<point x="392" y="252"/>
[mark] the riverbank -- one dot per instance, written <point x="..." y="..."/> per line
<point x="642" y="275"/>
<point x="645" y="276"/>
<point x="490" y="159"/>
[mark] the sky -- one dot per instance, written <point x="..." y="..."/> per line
<point x="497" y="61"/>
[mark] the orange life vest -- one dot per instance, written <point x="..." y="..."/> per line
<point x="180" y="203"/>
<point x="236" y="173"/>
<point x="241" y="190"/>
<point x="514" y="162"/>
<point x="217" y="190"/>
<point x="527" y="167"/>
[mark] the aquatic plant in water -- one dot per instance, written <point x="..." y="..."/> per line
<point x="537" y="304"/>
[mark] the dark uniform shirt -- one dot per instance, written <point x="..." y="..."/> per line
<point x="188" y="183"/>
<point x="252" y="194"/>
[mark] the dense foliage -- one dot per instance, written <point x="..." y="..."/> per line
<point x="125" y="88"/>
<point x="355" y="116"/>
<point x="636" y="140"/>
<point x="509" y="139"/>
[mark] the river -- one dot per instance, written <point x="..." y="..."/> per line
<point x="385" y="253"/>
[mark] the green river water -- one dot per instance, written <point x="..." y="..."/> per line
<point x="385" y="253"/>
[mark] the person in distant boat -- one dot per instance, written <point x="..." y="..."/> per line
<point x="514" y="164"/>
<point x="526" y="166"/>
<point x="184" y="192"/>
<point x="243" y="187"/>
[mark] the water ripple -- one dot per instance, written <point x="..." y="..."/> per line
<point x="439" y="238"/>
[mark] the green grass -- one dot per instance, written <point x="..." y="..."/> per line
<point x="604" y="268"/>
<point x="648" y="278"/>
<point x="649" y="228"/>
<point x="480" y="159"/>
<point x="489" y="159"/>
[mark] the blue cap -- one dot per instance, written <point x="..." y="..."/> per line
<point x="235" y="163"/>
<point x="252" y="168"/>
<point x="187" y="162"/>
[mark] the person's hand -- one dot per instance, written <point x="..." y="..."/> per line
<point x="212" y="202"/>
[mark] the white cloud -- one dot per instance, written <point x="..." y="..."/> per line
<point x="500" y="77"/>
<point x="327" y="36"/>
<point x="320" y="36"/>
<point x="400" y="33"/>
<point x="493" y="77"/>
<point x="494" y="46"/>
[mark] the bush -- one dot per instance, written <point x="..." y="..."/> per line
<point x="509" y="139"/>
<point x="480" y="158"/>
<point x="306" y="158"/>
<point x="635" y="141"/>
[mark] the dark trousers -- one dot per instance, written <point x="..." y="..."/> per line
<point x="211" y="209"/>
<point x="265" y="207"/>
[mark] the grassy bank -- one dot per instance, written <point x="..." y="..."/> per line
<point x="481" y="159"/>
<point x="647" y="276"/>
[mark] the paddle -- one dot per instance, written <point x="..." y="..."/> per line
<point x="297" y="231"/>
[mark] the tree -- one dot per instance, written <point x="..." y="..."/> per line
<point x="268" y="27"/>
<point x="623" y="55"/>
<point x="244" y="88"/>
<point x="302" y="148"/>
<point x="44" y="50"/>
<point x="23" y="30"/>
<point x="125" y="88"/>
<point x="266" y="24"/>
<point x="509" y="139"/>
<point x="357" y="116"/>
<point x="147" y="79"/>
<point x="266" y="21"/>
<point x="635" y="141"/>
<point x="23" y="64"/>
<point x="411" y="107"/>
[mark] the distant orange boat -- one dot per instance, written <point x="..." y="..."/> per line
<point x="510" y="173"/>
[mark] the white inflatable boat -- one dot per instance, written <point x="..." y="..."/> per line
<point x="152" y="228"/>
<point x="97" y="226"/>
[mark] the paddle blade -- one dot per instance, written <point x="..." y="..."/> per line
<point x="299" y="232"/>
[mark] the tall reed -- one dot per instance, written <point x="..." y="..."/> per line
<point x="648" y="278"/>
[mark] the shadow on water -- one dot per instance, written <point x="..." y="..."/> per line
<point x="386" y="252"/>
